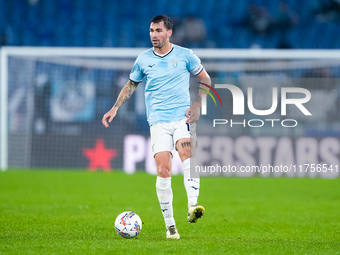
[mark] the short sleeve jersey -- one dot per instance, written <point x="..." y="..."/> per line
<point x="167" y="82"/>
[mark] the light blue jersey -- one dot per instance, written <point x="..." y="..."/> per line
<point x="167" y="82"/>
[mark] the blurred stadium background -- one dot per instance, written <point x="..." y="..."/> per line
<point x="312" y="24"/>
<point x="56" y="98"/>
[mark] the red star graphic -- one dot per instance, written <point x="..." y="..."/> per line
<point x="100" y="156"/>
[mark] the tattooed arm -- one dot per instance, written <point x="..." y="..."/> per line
<point x="124" y="95"/>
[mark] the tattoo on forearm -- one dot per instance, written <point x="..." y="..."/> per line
<point x="126" y="93"/>
<point x="185" y="144"/>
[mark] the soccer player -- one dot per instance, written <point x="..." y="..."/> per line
<point x="167" y="68"/>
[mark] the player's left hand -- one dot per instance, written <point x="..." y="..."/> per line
<point x="193" y="113"/>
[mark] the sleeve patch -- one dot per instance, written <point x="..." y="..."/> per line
<point x="197" y="70"/>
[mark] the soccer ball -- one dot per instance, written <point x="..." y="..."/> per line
<point x="128" y="224"/>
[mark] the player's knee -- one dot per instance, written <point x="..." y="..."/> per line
<point x="164" y="171"/>
<point x="184" y="153"/>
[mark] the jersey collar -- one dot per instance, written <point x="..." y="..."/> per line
<point x="163" y="55"/>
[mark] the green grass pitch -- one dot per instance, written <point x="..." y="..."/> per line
<point x="73" y="212"/>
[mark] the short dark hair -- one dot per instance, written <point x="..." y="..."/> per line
<point x="167" y="21"/>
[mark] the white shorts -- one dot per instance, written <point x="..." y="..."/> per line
<point x="165" y="135"/>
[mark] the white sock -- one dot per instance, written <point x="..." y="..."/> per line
<point x="192" y="185"/>
<point x="164" y="193"/>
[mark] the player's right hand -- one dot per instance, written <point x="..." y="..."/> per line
<point x="109" y="115"/>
